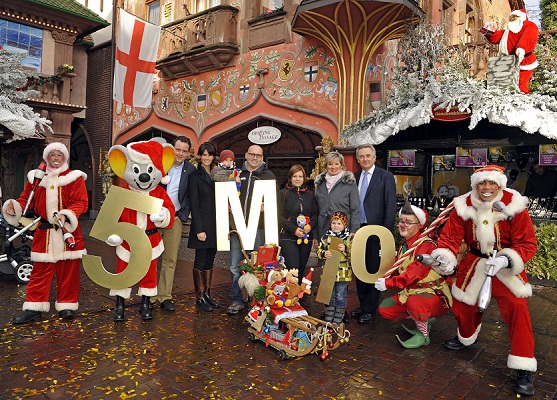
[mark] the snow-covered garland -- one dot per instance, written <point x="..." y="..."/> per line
<point x="445" y="83"/>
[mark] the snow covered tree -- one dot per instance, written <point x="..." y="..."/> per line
<point x="15" y="115"/>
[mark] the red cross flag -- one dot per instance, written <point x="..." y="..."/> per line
<point x="137" y="44"/>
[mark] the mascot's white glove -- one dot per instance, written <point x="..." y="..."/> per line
<point x="380" y="284"/>
<point x="520" y="53"/>
<point x="114" y="240"/>
<point x="498" y="264"/>
<point x="445" y="266"/>
<point x="158" y="217"/>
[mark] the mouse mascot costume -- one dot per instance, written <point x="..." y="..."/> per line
<point x="143" y="165"/>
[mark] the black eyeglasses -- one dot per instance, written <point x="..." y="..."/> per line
<point x="407" y="222"/>
<point x="255" y="155"/>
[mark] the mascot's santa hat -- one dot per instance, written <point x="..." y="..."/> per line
<point x="494" y="173"/>
<point x="146" y="152"/>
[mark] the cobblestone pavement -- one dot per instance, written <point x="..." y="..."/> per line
<point x="190" y="355"/>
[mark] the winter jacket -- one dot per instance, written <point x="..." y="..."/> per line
<point x="293" y="201"/>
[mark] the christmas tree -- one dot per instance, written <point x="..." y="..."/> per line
<point x="15" y="115"/>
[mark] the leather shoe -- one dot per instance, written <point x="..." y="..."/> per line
<point x="524" y="383"/>
<point x="365" y="318"/>
<point x="27" y="316"/>
<point x="168" y="305"/>
<point x="455" y="344"/>
<point x="346" y="317"/>
<point x="357" y="313"/>
<point x="66" y="314"/>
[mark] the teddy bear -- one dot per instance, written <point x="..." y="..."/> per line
<point x="143" y="165"/>
<point x="302" y="221"/>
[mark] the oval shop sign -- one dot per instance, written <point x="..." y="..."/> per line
<point x="264" y="135"/>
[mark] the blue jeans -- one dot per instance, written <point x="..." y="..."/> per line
<point x="236" y="256"/>
<point x="339" y="298"/>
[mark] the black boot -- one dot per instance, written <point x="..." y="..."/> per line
<point x="145" y="308"/>
<point x="207" y="276"/>
<point x="119" y="310"/>
<point x="200" y="301"/>
<point x="27" y="316"/>
<point x="524" y="385"/>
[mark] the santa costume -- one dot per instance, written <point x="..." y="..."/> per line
<point x="62" y="191"/>
<point x="484" y="229"/>
<point x="144" y="153"/>
<point x="520" y="39"/>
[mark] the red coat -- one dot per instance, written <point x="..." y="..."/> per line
<point x="66" y="194"/>
<point x="482" y="228"/>
<point x="143" y="221"/>
<point x="526" y="39"/>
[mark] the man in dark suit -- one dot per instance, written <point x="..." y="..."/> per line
<point x="377" y="190"/>
<point x="177" y="190"/>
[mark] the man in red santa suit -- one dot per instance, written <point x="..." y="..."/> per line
<point x="143" y="173"/>
<point x="61" y="191"/>
<point x="491" y="218"/>
<point x="520" y="39"/>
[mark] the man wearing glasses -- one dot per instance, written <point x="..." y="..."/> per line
<point x="254" y="169"/>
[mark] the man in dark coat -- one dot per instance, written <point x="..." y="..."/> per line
<point x="377" y="190"/>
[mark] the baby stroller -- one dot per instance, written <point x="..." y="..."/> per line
<point x="16" y="260"/>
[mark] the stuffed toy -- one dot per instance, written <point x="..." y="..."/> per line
<point x="302" y="221"/>
<point x="143" y="165"/>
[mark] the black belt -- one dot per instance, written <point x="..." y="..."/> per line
<point x="478" y="253"/>
<point x="44" y="225"/>
<point x="527" y="54"/>
<point x="150" y="232"/>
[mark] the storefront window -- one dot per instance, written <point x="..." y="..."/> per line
<point x="23" y="39"/>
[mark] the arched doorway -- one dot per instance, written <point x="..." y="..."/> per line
<point x="81" y="159"/>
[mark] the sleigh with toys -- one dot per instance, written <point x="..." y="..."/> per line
<point x="275" y="316"/>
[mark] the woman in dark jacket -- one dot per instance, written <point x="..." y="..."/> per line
<point x="296" y="201"/>
<point x="203" y="230"/>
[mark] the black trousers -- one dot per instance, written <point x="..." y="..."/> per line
<point x="295" y="255"/>
<point x="204" y="259"/>
<point x="367" y="294"/>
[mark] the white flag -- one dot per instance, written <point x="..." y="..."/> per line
<point x="137" y="45"/>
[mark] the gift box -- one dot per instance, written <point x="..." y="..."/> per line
<point x="267" y="254"/>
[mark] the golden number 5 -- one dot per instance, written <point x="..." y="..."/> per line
<point x="107" y="224"/>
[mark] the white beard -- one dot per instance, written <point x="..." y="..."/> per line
<point x="515" y="26"/>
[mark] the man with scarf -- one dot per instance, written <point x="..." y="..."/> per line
<point x="491" y="218"/>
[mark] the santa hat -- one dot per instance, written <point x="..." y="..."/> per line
<point x="409" y="209"/>
<point x="521" y="14"/>
<point x="148" y="152"/>
<point x="63" y="149"/>
<point x="494" y="173"/>
<point x="226" y="154"/>
<point x="340" y="215"/>
<point x="308" y="278"/>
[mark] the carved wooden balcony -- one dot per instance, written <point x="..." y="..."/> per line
<point x="201" y="42"/>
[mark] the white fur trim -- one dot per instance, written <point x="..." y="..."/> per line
<point x="447" y="253"/>
<point x="165" y="179"/>
<point x="125" y="293"/>
<point x="529" y="67"/>
<point x="470" y="296"/>
<point x="43" y="306"/>
<point x="249" y="282"/>
<point x="149" y="292"/>
<point x="66" y="306"/>
<point x="497" y="177"/>
<point x="517" y="263"/>
<point x="524" y="363"/>
<point x="471" y="339"/>
<point x="521" y="15"/>
<point x="12" y="220"/>
<point x="136" y="156"/>
<point x="71" y="220"/>
<point x="61" y="255"/>
<point x="124" y="254"/>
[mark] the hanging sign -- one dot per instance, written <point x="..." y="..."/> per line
<point x="402" y="158"/>
<point x="466" y="157"/>
<point x="453" y="114"/>
<point x="264" y="135"/>
<point x="548" y="154"/>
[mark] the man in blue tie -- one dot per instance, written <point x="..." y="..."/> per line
<point x="377" y="190"/>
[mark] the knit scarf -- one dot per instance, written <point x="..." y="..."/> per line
<point x="331" y="181"/>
